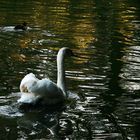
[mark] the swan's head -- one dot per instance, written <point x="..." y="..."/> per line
<point x="66" y="52"/>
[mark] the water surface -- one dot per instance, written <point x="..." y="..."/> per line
<point x="106" y="80"/>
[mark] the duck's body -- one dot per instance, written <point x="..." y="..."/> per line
<point x="21" y="26"/>
<point x="33" y="89"/>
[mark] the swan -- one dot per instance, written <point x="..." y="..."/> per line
<point x="33" y="89"/>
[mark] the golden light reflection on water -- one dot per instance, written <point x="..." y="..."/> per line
<point x="83" y="41"/>
<point x="81" y="30"/>
<point x="18" y="57"/>
<point x="24" y="42"/>
<point x="125" y="16"/>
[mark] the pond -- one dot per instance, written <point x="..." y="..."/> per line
<point x="104" y="80"/>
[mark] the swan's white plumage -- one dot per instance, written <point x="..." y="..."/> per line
<point x="32" y="88"/>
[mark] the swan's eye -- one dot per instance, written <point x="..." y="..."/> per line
<point x="69" y="52"/>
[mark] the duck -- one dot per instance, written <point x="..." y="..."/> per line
<point x="22" y="26"/>
<point x="33" y="89"/>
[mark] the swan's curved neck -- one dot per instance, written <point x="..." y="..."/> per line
<point x="61" y="72"/>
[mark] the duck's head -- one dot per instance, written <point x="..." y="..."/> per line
<point x="24" y="23"/>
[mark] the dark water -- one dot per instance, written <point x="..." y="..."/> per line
<point x="107" y="79"/>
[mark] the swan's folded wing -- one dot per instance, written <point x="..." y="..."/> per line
<point x="47" y="88"/>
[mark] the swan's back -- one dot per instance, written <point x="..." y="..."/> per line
<point x="33" y="89"/>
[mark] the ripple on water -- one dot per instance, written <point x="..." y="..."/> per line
<point x="9" y="111"/>
<point x="11" y="29"/>
<point x="9" y="107"/>
<point x="130" y="76"/>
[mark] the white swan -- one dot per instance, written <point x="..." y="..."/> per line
<point x="32" y="89"/>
